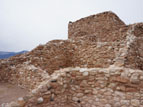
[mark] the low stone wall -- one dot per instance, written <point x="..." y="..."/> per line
<point x="82" y="87"/>
<point x="25" y="76"/>
<point x="8" y="66"/>
<point x="54" y="55"/>
<point x="44" y="58"/>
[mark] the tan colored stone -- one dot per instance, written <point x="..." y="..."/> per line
<point x="40" y="100"/>
<point x="135" y="102"/>
<point x="14" y="104"/>
<point x="94" y="91"/>
<point x="135" y="78"/>
<point x="117" y="104"/>
<point x="120" y="79"/>
<point x="108" y="105"/>
<point x="85" y="73"/>
<point x="125" y="102"/>
<point x="75" y="99"/>
<point x="21" y="102"/>
<point x="79" y="94"/>
<point x="131" y="89"/>
<point x="87" y="91"/>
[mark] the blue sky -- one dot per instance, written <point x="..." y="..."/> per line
<point x="24" y="24"/>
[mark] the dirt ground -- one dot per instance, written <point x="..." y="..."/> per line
<point x="9" y="92"/>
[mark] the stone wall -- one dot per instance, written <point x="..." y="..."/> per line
<point x="97" y="54"/>
<point x="83" y="87"/>
<point x="8" y="66"/>
<point x="135" y="55"/>
<point x="25" y="75"/>
<point x="120" y="46"/>
<point x="131" y="54"/>
<point x="97" y="48"/>
<point x="101" y="26"/>
<point x="54" y="55"/>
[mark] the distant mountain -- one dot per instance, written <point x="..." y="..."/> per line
<point x="4" y="55"/>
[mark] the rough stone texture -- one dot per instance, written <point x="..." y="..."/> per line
<point x="103" y="26"/>
<point x="102" y="87"/>
<point x="100" y="65"/>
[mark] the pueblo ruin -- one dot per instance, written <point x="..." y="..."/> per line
<point x="99" y="65"/>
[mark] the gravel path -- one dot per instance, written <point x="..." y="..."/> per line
<point x="9" y="92"/>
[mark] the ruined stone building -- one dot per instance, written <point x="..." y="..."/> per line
<point x="99" y="65"/>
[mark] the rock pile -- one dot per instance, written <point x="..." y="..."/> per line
<point x="100" y="65"/>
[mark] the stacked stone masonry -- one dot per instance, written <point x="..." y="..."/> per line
<point x="99" y="65"/>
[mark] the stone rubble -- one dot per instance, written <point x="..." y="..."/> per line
<point x="99" y="65"/>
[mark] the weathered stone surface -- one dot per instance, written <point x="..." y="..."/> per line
<point x="135" y="78"/>
<point x="99" y="65"/>
<point x="108" y="105"/>
<point x="85" y="73"/>
<point x="135" y="102"/>
<point x="40" y="100"/>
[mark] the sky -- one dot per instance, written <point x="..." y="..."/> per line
<point x="24" y="24"/>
